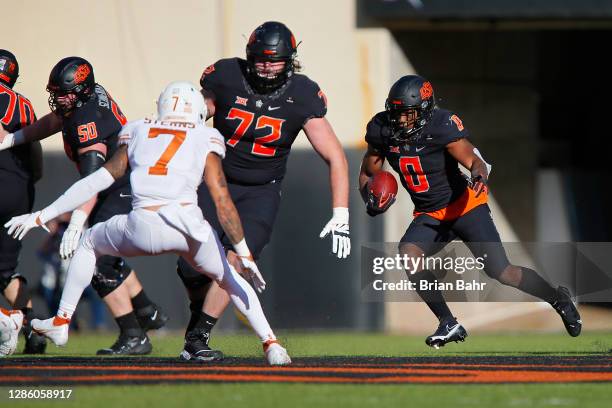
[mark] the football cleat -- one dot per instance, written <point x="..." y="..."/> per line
<point x="10" y="325"/>
<point x="197" y="349"/>
<point x="54" y="328"/>
<point x="275" y="353"/>
<point x="566" y="308"/>
<point x="447" y="331"/>
<point x="151" y="317"/>
<point x="34" y="342"/>
<point x="128" y="346"/>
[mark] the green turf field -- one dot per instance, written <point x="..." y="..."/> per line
<point x="343" y="344"/>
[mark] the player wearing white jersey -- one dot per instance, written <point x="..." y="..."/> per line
<point x="167" y="157"/>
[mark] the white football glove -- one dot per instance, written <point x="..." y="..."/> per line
<point x="72" y="235"/>
<point x="19" y="226"/>
<point x="7" y="142"/>
<point x="339" y="228"/>
<point x="251" y="271"/>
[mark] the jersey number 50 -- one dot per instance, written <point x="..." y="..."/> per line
<point x="246" y="119"/>
<point x="412" y="169"/>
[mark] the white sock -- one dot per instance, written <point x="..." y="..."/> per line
<point x="244" y="298"/>
<point x="80" y="273"/>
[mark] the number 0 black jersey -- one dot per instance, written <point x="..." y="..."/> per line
<point x="99" y="120"/>
<point x="259" y="129"/>
<point x="426" y="169"/>
<point x="15" y="112"/>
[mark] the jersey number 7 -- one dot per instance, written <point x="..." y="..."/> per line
<point x="246" y="119"/>
<point x="161" y="167"/>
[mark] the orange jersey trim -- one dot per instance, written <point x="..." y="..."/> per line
<point x="461" y="206"/>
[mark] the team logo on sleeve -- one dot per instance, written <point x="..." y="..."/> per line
<point x="457" y="121"/>
<point x="81" y="73"/>
<point x="426" y="90"/>
<point x="241" y="101"/>
<point x="322" y="96"/>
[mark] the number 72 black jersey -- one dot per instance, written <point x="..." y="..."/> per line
<point x="259" y="129"/>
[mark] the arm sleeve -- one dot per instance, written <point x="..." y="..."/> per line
<point x="78" y="194"/>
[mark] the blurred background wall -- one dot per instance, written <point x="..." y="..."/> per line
<point x="529" y="79"/>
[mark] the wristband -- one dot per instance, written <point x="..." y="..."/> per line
<point x="242" y="249"/>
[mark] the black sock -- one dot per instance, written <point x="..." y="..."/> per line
<point x="434" y="299"/>
<point x="535" y="285"/>
<point x="140" y="301"/>
<point x="196" y="309"/>
<point x="128" y="324"/>
<point x="201" y="322"/>
<point x="28" y="314"/>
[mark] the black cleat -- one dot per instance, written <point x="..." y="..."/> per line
<point x="447" y="331"/>
<point x="128" y="345"/>
<point x="196" y="348"/>
<point x="151" y="317"/>
<point x="568" y="311"/>
<point x="34" y="342"/>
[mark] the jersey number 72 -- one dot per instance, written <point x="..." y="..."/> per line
<point x="246" y="119"/>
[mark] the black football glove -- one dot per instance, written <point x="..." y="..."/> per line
<point x="374" y="207"/>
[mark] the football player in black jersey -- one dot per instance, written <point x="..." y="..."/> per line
<point x="90" y="121"/>
<point x="425" y="144"/>
<point x="20" y="168"/>
<point x="260" y="105"/>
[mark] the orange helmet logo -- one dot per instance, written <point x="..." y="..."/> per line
<point x="11" y="67"/>
<point x="426" y="90"/>
<point x="81" y="73"/>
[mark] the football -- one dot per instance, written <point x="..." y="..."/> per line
<point x="383" y="185"/>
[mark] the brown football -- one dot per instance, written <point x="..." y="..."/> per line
<point x="384" y="185"/>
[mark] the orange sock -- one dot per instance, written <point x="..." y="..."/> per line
<point x="268" y="343"/>
<point x="58" y="321"/>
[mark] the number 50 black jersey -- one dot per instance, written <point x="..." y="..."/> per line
<point x="259" y="129"/>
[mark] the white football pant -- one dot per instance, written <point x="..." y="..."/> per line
<point x="144" y="232"/>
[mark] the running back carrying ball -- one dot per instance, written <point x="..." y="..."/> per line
<point x="382" y="190"/>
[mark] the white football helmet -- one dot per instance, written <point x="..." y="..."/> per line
<point x="182" y="100"/>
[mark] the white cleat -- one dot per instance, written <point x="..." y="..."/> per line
<point x="10" y="325"/>
<point x="276" y="354"/>
<point x="54" y="328"/>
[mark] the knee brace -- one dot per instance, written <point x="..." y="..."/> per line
<point x="110" y="274"/>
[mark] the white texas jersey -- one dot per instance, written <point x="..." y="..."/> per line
<point x="167" y="159"/>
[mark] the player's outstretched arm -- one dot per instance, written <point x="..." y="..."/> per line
<point x="470" y="158"/>
<point x="78" y="194"/>
<point x="229" y="218"/>
<point x="41" y="129"/>
<point x="326" y="144"/>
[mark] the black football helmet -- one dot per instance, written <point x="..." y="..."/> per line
<point x="70" y="75"/>
<point x="411" y="93"/>
<point x="271" y="41"/>
<point x="9" y="68"/>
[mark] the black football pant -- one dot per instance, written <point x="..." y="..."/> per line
<point x="17" y="199"/>
<point x="476" y="229"/>
<point x="257" y="207"/>
<point x="111" y="271"/>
